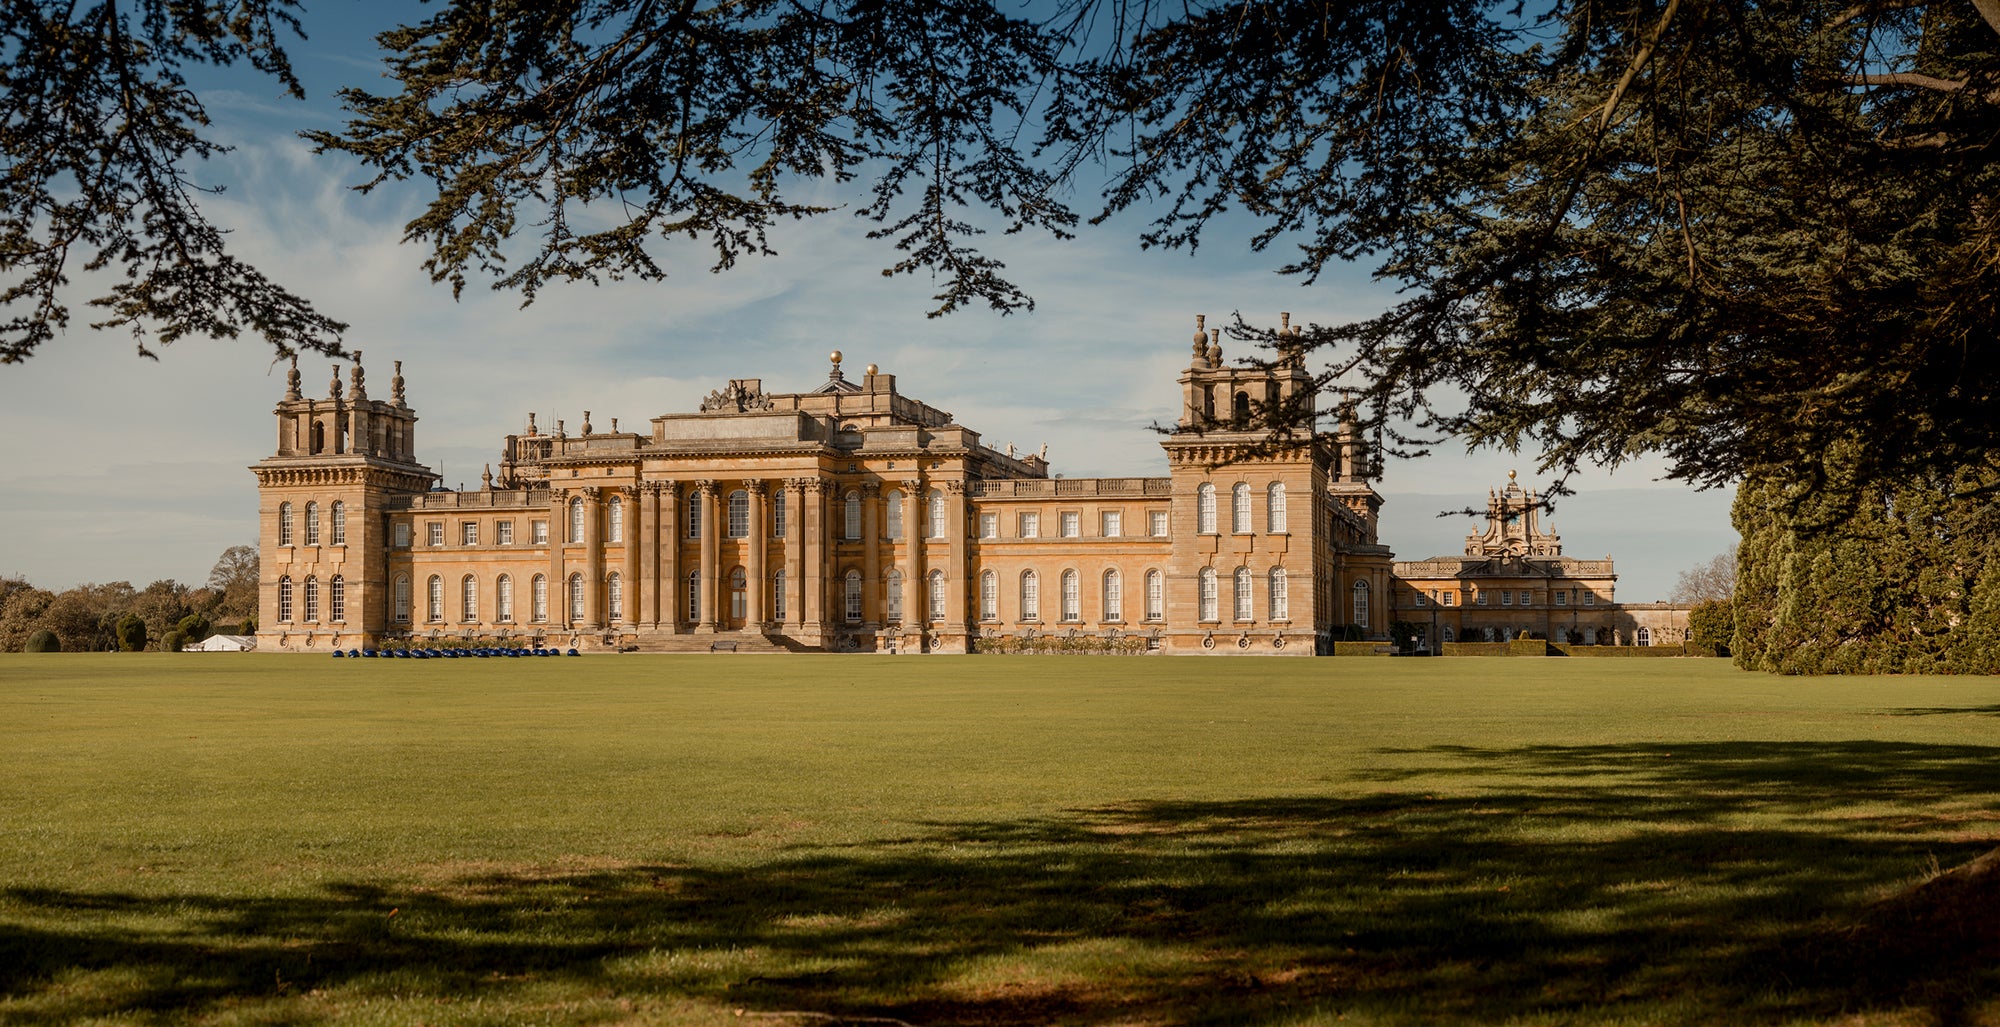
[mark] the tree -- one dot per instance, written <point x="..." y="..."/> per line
<point x="42" y="641"/>
<point x="1712" y="625"/>
<point x="1714" y="581"/>
<point x="131" y="631"/>
<point x="234" y="578"/>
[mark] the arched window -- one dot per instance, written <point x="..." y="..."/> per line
<point x="694" y="595"/>
<point x="614" y="517"/>
<point x="614" y="597"/>
<point x="1274" y="507"/>
<point x="1242" y="594"/>
<point x="739" y="595"/>
<point x="851" y="523"/>
<point x="937" y="526"/>
<point x="1645" y="635"/>
<point x="1280" y="599"/>
<point x="337" y="525"/>
<point x="935" y="593"/>
<point x="778" y="594"/>
<point x="895" y="596"/>
<point x="468" y="599"/>
<point x="1156" y="596"/>
<point x="1239" y="508"/>
<point x="1209" y="610"/>
<point x="576" y="596"/>
<point x="1240" y="410"/>
<point x="895" y="519"/>
<point x="284" y="524"/>
<point x="575" y="520"/>
<point x="312" y="523"/>
<point x="739" y="514"/>
<point x="1360" y="591"/>
<point x="336" y="599"/>
<point x="1448" y="636"/>
<point x="1114" y="595"/>
<point x="1204" y="509"/>
<point x="1072" y="600"/>
<point x="852" y="594"/>
<point x="434" y="599"/>
<point x="400" y="598"/>
<point x="989" y="596"/>
<point x="503" y="599"/>
<point x="778" y="519"/>
<point x="694" y="515"/>
<point x="318" y="436"/>
<point x="538" y="598"/>
<point x="1031" y="596"/>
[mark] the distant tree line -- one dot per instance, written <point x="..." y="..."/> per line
<point x="164" y="616"/>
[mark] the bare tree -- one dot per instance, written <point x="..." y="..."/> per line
<point x="1714" y="581"/>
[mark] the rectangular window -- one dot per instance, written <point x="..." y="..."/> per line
<point x="336" y="599"/>
<point x="468" y="533"/>
<point x="1590" y="599"/>
<point x="1071" y="524"/>
<point x="1450" y="598"/>
<point x="1506" y="597"/>
<point x="1479" y="600"/>
<point x="1562" y="598"/>
<point x="989" y="525"/>
<point x="402" y="534"/>
<point x="1527" y="598"/>
<point x="436" y="529"/>
<point x="503" y="533"/>
<point x="1031" y="525"/>
<point x="1111" y="523"/>
<point x="538" y="532"/>
<point x="1421" y="601"/>
<point x="1157" y="523"/>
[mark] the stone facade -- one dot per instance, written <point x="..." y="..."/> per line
<point x="848" y="517"/>
<point x="1513" y="580"/>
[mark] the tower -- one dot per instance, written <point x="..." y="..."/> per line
<point x="322" y="498"/>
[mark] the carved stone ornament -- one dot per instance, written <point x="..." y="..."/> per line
<point x="735" y="398"/>
<point x="705" y="487"/>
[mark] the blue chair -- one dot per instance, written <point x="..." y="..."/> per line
<point x="337" y="653"/>
<point x="573" y="652"/>
<point x="369" y="653"/>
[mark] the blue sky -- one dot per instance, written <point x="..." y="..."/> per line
<point x="123" y="468"/>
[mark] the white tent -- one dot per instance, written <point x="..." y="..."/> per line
<point x="222" y="644"/>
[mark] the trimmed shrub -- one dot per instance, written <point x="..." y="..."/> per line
<point x="131" y="633"/>
<point x="43" y="641"/>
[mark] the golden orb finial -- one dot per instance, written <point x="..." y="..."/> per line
<point x="872" y="369"/>
<point x="834" y="356"/>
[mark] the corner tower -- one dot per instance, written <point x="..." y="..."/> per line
<point x="322" y="500"/>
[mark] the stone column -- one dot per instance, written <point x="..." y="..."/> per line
<point x="673" y="587"/>
<point x="955" y="572"/>
<point x="711" y="589"/>
<point x="871" y="553"/>
<point x="813" y="510"/>
<point x="558" y="588"/>
<point x="914" y="539"/>
<point x="795" y="582"/>
<point x="753" y="564"/>
<point x="648" y="584"/>
<point x="593" y="556"/>
<point x="635" y="521"/>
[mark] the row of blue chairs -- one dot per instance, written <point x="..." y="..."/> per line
<point x="448" y="654"/>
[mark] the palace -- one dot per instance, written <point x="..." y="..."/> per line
<point x="845" y="518"/>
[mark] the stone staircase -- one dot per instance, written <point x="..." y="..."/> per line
<point x="723" y="642"/>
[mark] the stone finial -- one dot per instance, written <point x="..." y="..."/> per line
<point x="531" y="423"/>
<point x="333" y="390"/>
<point x="1200" y="338"/>
<point x="586" y="422"/>
<point x="614" y="426"/>
<point x="835" y="375"/>
<point x="486" y="480"/>
<point x="559" y="429"/>
<point x="396" y="386"/>
<point x="292" y="380"/>
<point x="357" y="387"/>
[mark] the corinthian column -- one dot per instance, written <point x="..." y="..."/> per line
<point x="753" y="565"/>
<point x="956" y="572"/>
<point x="711" y="588"/>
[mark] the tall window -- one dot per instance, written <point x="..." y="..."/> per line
<point x="576" y="597"/>
<point x="1071" y="524"/>
<point x="1239" y="508"/>
<point x="896" y="596"/>
<point x="614" y="527"/>
<point x="694" y="595"/>
<point x="1072" y="599"/>
<point x="312" y="524"/>
<point x="434" y="599"/>
<point x="1031" y="524"/>
<point x="1031" y="596"/>
<point x="1209" y="610"/>
<point x="852" y="593"/>
<point x="935" y="593"/>
<point x="468" y="533"/>
<point x="401" y="534"/>
<point x="851" y="528"/>
<point x="1114" y="595"/>
<point x="694" y="515"/>
<point x="468" y="599"/>
<point x="739" y="514"/>
<point x="1280" y="600"/>
<point x="435" y="531"/>
<point x="895" y="518"/>
<point x="336" y="599"/>
<point x="1274" y="507"/>
<point x="778" y="519"/>
<point x="503" y="533"/>
<point x="989" y="596"/>
<point x="285" y="599"/>
<point x="1111" y="523"/>
<point x="739" y="598"/>
<point x="778" y="594"/>
<point x="400" y="600"/>
<point x="614" y="597"/>
<point x="989" y="525"/>
<point x="312" y="599"/>
<point x="1361" y="603"/>
<point x="1156" y="595"/>
<point x="338" y="524"/>
<point x="503" y="599"/>
<point x="1644" y="636"/>
<point x="575" y="520"/>
<point x="1242" y="590"/>
<point x="1156" y="523"/>
<point x="937" y="519"/>
<point x="1204" y="509"/>
<point x="538" y="532"/>
<point x="538" y="598"/>
<point x="284" y="524"/>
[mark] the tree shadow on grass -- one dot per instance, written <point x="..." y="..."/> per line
<point x="1689" y="883"/>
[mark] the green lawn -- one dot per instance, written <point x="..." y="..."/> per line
<point x="267" y="839"/>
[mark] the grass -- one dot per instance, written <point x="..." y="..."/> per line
<point x="266" y="839"/>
